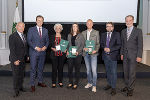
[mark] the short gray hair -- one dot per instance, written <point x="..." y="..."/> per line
<point x="58" y="25"/>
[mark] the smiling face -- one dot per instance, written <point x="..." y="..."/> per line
<point x="20" y="27"/>
<point x="109" y="27"/>
<point x="39" y="21"/>
<point x="58" y="29"/>
<point x="89" y="24"/>
<point x="129" y="21"/>
<point x="75" y="28"/>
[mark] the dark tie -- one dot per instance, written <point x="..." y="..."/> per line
<point x="108" y="39"/>
<point x="23" y="39"/>
<point x="40" y="32"/>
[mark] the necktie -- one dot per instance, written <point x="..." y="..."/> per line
<point x="108" y="39"/>
<point x="128" y="34"/>
<point x="40" y="32"/>
<point x="23" y="39"/>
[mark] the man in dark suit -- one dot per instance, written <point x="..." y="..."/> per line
<point x="131" y="53"/>
<point x="110" y="45"/>
<point x="18" y="52"/>
<point x="38" y="41"/>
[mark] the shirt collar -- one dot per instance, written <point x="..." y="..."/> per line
<point x="19" y="33"/>
<point x="130" y="28"/>
<point x="38" y="27"/>
<point x="90" y="30"/>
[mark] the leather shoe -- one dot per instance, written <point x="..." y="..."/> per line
<point x="32" y="88"/>
<point x="22" y="90"/>
<point x="107" y="87"/>
<point x="130" y="93"/>
<point x="16" y="94"/>
<point x="42" y="85"/>
<point x="113" y="91"/>
<point x="125" y="89"/>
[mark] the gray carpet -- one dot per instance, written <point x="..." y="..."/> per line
<point x="142" y="91"/>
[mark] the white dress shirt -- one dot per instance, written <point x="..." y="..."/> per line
<point x="88" y="34"/>
<point x="40" y="29"/>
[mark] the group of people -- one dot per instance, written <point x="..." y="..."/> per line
<point x="128" y="45"/>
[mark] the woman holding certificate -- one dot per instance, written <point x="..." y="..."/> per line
<point x="76" y="44"/>
<point x="57" y="56"/>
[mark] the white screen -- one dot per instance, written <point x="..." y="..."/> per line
<point x="80" y="10"/>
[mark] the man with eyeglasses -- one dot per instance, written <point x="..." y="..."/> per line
<point x="110" y="45"/>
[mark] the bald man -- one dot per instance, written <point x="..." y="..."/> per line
<point x="18" y="52"/>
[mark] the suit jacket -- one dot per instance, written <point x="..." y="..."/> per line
<point x="34" y="40"/>
<point x="79" y="42"/>
<point x="114" y="45"/>
<point x="18" y="49"/>
<point x="94" y="35"/>
<point x="134" y="46"/>
<point x="52" y="44"/>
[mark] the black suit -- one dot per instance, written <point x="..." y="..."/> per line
<point x="18" y="51"/>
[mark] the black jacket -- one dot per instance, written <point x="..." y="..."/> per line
<point x="114" y="45"/>
<point x="52" y="44"/>
<point x="18" y="49"/>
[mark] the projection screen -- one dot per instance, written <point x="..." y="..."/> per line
<point x="80" y="10"/>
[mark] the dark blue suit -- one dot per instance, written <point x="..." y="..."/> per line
<point x="110" y="59"/>
<point x="37" y="59"/>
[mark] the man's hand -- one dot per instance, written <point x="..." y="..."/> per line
<point x="106" y="49"/>
<point x="28" y="58"/>
<point x="16" y="62"/>
<point x="44" y="48"/>
<point x="38" y="49"/>
<point x="138" y="59"/>
<point x="93" y="52"/>
<point x="121" y="57"/>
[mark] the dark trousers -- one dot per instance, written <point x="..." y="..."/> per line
<point x="74" y="62"/>
<point x="18" y="75"/>
<point x="57" y="68"/>
<point x="129" y="67"/>
<point x="111" y="70"/>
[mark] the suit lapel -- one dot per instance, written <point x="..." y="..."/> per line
<point x="125" y="34"/>
<point x="19" y="38"/>
<point x="105" y="38"/>
<point x="112" y="38"/>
